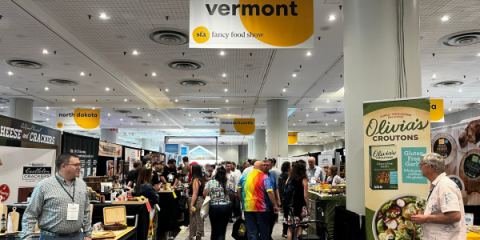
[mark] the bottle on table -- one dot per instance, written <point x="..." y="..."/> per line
<point x="3" y="224"/>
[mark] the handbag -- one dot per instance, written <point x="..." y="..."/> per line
<point x="205" y="207"/>
<point x="239" y="230"/>
<point x="182" y="203"/>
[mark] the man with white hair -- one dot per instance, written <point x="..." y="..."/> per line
<point x="314" y="173"/>
<point x="444" y="216"/>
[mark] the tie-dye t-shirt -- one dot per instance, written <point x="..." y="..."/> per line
<point x="255" y="186"/>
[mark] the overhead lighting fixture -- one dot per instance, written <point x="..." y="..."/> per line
<point x="45" y="51"/>
<point x="229" y="115"/>
<point x="294" y="124"/>
<point x="300" y="120"/>
<point x="222" y="53"/>
<point x="82" y="74"/>
<point x="131" y="123"/>
<point x="176" y="100"/>
<point x="445" y="18"/>
<point x="328" y="101"/>
<point x="125" y="100"/>
<point x="335" y="120"/>
<point x="434" y="76"/>
<point x="135" y="52"/>
<point x="47" y="108"/>
<point x="121" y="119"/>
<point x="46" y="88"/>
<point x="294" y="75"/>
<point x="316" y="109"/>
<point x="460" y="90"/>
<point x="157" y="119"/>
<point x="309" y="53"/>
<point x="226" y="100"/>
<point x="478" y="54"/>
<point x="104" y="16"/>
<point x="332" y="17"/>
<point x="149" y="114"/>
<point x="154" y="74"/>
<point x="307" y="115"/>
<point x="93" y="108"/>
<point x="284" y="90"/>
<point x="10" y="73"/>
<point x="449" y="109"/>
<point x="166" y="89"/>
<point x="226" y="90"/>
<point x="224" y="75"/>
<point x="189" y="114"/>
<point x="326" y="124"/>
<point x="73" y="99"/>
<point x="109" y="114"/>
<point x="48" y="119"/>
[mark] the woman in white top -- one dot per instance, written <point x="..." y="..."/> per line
<point x="333" y="178"/>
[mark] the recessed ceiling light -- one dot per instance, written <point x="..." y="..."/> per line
<point x="149" y="114"/>
<point x="157" y="119"/>
<point x="109" y="114"/>
<point x="224" y="75"/>
<point x="326" y="124"/>
<point x="229" y="115"/>
<point x="316" y="109"/>
<point x="284" y="90"/>
<point x="73" y="99"/>
<point x="48" y="119"/>
<point x="189" y="114"/>
<point x="294" y="124"/>
<point x="46" y="88"/>
<point x="445" y="18"/>
<point x="104" y="16"/>
<point x="226" y="100"/>
<point x="449" y="109"/>
<point x="107" y="89"/>
<point x="138" y="108"/>
<point x="328" y="100"/>
<point x="479" y="101"/>
<point x="332" y="17"/>
<point x="125" y="100"/>
<point x="309" y="53"/>
<point x="335" y="120"/>
<point x="121" y="119"/>
<point x="478" y="54"/>
<point x="154" y="74"/>
<point x="82" y="74"/>
<point x="45" y="51"/>
<point x="166" y="89"/>
<point x="294" y="75"/>
<point x="131" y="123"/>
<point x="226" y="90"/>
<point x="222" y="53"/>
<point x="307" y="115"/>
<point x="300" y="120"/>
<point x="434" y="76"/>
<point x="10" y="73"/>
<point x="135" y="52"/>
<point x="176" y="100"/>
<point x="47" y="108"/>
<point x="93" y="108"/>
<point x="460" y="90"/>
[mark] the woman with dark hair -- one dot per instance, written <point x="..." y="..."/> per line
<point x="220" y="204"/>
<point x="282" y="180"/>
<point x="301" y="210"/>
<point x="333" y="178"/>
<point x="144" y="186"/>
<point x="196" y="188"/>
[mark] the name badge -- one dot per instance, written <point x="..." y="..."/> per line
<point x="72" y="211"/>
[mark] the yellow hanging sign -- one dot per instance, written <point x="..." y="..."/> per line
<point x="436" y="110"/>
<point x="292" y="137"/>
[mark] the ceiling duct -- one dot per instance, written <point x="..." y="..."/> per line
<point x="62" y="82"/>
<point x="185" y="65"/>
<point x="145" y="121"/>
<point x="474" y="105"/>
<point x="212" y="122"/>
<point x="4" y="100"/>
<point x="462" y="39"/>
<point x="447" y="83"/>
<point x="123" y="111"/>
<point x="135" y="117"/>
<point x="207" y="112"/>
<point x="193" y="83"/>
<point x="25" y="63"/>
<point x="39" y="121"/>
<point x="169" y="36"/>
<point x="210" y="117"/>
<point x="314" y="122"/>
<point x="331" y="112"/>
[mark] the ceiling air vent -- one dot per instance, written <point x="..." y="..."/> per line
<point x="25" y="63"/>
<point x="314" y="122"/>
<point x="135" y="117"/>
<point x="210" y="117"/>
<point x="193" y="83"/>
<point x="332" y="112"/>
<point x="448" y="83"/>
<point x="207" y="112"/>
<point x="168" y="36"/>
<point x="4" y="100"/>
<point x="123" y="111"/>
<point x="39" y="121"/>
<point x="62" y="82"/>
<point x="185" y="65"/>
<point x="462" y="39"/>
<point x="145" y="121"/>
<point x="212" y="122"/>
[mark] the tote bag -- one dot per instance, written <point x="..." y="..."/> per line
<point x="205" y="207"/>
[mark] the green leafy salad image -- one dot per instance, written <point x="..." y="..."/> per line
<point x="392" y="221"/>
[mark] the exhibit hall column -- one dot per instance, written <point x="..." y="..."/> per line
<point x="251" y="149"/>
<point x="373" y="71"/>
<point x="21" y="108"/>
<point x="146" y="143"/>
<point x="277" y="128"/>
<point x="108" y="135"/>
<point x="260" y="149"/>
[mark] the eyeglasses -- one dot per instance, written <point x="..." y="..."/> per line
<point x="76" y="165"/>
<point x="421" y="164"/>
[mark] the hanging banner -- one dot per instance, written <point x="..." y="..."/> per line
<point x="75" y="119"/>
<point x="23" y="167"/>
<point x="292" y="137"/>
<point x="460" y="145"/>
<point x="397" y="134"/>
<point x="131" y="155"/>
<point x="251" y="24"/>
<point x="237" y="126"/>
<point x="172" y="148"/>
<point x="14" y="129"/>
<point x="85" y="147"/>
<point x="109" y="149"/>
<point x="184" y="150"/>
<point x="325" y="160"/>
<point x="436" y="110"/>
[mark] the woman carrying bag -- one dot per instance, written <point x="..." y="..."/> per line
<point x="220" y="209"/>
<point x="196" y="188"/>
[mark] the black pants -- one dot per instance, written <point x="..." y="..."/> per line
<point x="219" y="216"/>
<point x="271" y="223"/>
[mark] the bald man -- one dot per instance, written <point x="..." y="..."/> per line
<point x="314" y="173"/>
<point x="252" y="189"/>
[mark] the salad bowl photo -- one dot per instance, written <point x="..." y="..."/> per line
<point x="392" y="220"/>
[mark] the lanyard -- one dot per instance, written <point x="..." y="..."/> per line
<point x="431" y="192"/>
<point x="73" y="198"/>
<point x="312" y="173"/>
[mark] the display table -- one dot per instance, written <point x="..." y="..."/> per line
<point x="473" y="236"/>
<point x="122" y="234"/>
<point x="328" y="204"/>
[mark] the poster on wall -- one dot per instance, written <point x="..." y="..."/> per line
<point x="237" y="126"/>
<point x="23" y="167"/>
<point x="325" y="160"/>
<point x="109" y="149"/>
<point x="78" y="119"/>
<point x="251" y="24"/>
<point x="396" y="135"/>
<point x="460" y="145"/>
<point x="131" y="156"/>
<point x="86" y="148"/>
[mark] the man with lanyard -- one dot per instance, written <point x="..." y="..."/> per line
<point x="168" y="175"/>
<point x="444" y="217"/>
<point x="60" y="204"/>
<point x="314" y="173"/>
<point x="267" y="166"/>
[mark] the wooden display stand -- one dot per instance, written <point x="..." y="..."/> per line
<point x="112" y="215"/>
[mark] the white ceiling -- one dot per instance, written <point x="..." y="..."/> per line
<point x="95" y="46"/>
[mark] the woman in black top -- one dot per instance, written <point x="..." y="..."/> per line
<point x="282" y="179"/>
<point x="144" y="186"/>
<point x="301" y="210"/>
<point x="196" y="188"/>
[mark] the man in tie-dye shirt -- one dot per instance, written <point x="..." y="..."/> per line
<point x="253" y="190"/>
<point x="444" y="216"/>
